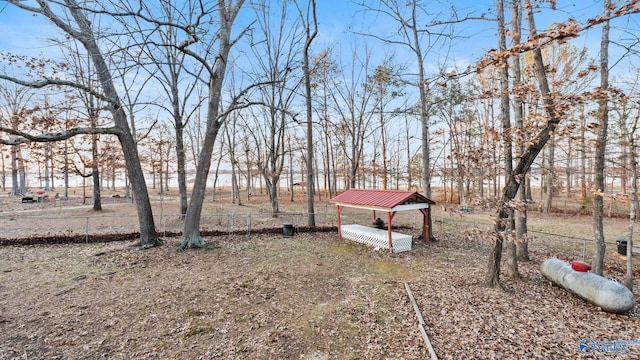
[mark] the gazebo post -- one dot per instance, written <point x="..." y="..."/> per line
<point x="339" y="211"/>
<point x="426" y="215"/>
<point x="390" y="216"/>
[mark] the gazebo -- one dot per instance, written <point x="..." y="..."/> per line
<point x="389" y="201"/>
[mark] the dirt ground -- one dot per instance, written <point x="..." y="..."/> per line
<point x="310" y="296"/>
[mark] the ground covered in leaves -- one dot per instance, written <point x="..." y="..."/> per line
<point x="311" y="296"/>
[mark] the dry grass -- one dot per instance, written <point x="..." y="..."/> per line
<point x="311" y="296"/>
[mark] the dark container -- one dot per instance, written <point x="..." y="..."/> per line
<point x="622" y="246"/>
<point x="287" y="229"/>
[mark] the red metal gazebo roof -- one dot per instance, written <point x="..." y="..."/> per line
<point x="388" y="200"/>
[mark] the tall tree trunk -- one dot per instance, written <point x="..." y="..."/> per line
<point x="568" y="170"/>
<point x="15" y="190"/>
<point x="424" y="122"/>
<point x="3" y="169"/>
<point x="312" y="31"/>
<point x="601" y="142"/>
<point x="47" y="160"/>
<point x="191" y="235"/>
<point x="633" y="208"/>
<point x="522" y="246"/>
<point x="583" y="156"/>
<point x="517" y="176"/>
<point x="95" y="174"/>
<point x="291" y="196"/>
<point x="624" y="155"/>
<point x="84" y="33"/>
<point x="22" y="172"/>
<point x="551" y="176"/>
<point x="181" y="158"/>
<point x="408" y="149"/>
<point x="511" y="254"/>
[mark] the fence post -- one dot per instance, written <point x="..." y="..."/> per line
<point x="248" y="224"/>
<point x="86" y="230"/>
<point x="164" y="225"/>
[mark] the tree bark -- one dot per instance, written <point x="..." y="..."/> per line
<point x="311" y="29"/>
<point x="506" y="235"/>
<point x="82" y="31"/>
<point x="191" y="235"/>
<point x="633" y="208"/>
<point x="517" y="176"/>
<point x="601" y="142"/>
<point x="551" y="176"/>
<point x="95" y="175"/>
<point x="522" y="247"/>
<point x="148" y="236"/>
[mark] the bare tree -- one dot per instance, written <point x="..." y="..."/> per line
<point x="173" y="68"/>
<point x="231" y="141"/>
<point x="601" y="142"/>
<point x="14" y="99"/>
<point x="227" y="13"/>
<point x="505" y="116"/>
<point x="311" y="30"/>
<point x="628" y="117"/>
<point x="324" y="70"/>
<point x="422" y="28"/>
<point x="353" y="103"/>
<point x="77" y="26"/>
<point x="84" y="71"/>
<point x="516" y="177"/>
<point x="276" y="58"/>
<point x="520" y="214"/>
<point x="383" y="83"/>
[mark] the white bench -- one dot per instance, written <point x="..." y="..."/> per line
<point x="377" y="237"/>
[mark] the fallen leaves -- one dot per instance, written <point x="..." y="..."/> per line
<point x="311" y="296"/>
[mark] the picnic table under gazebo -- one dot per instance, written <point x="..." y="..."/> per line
<point x="386" y="201"/>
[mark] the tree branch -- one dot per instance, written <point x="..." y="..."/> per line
<point x="22" y="137"/>
<point x="57" y="82"/>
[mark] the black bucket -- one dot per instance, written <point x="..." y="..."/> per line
<point x="287" y="229"/>
<point x="622" y="246"/>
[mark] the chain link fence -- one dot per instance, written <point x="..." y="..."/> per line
<point x="85" y="228"/>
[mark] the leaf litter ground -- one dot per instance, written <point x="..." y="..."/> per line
<point x="311" y="296"/>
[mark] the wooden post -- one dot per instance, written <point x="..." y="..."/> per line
<point x="426" y="215"/>
<point x="339" y="211"/>
<point x="390" y="216"/>
<point x="389" y="238"/>
<point x="426" y="225"/>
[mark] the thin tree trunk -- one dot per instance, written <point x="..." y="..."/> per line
<point x="15" y="190"/>
<point x="633" y="207"/>
<point x="3" y="169"/>
<point x="601" y="142"/>
<point x="568" y="172"/>
<point x="551" y="176"/>
<point x="522" y="246"/>
<point x="95" y="173"/>
<point x="517" y="176"/>
<point x="583" y="157"/>
<point x="312" y="31"/>
<point x="511" y="254"/>
<point x="22" y="173"/>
